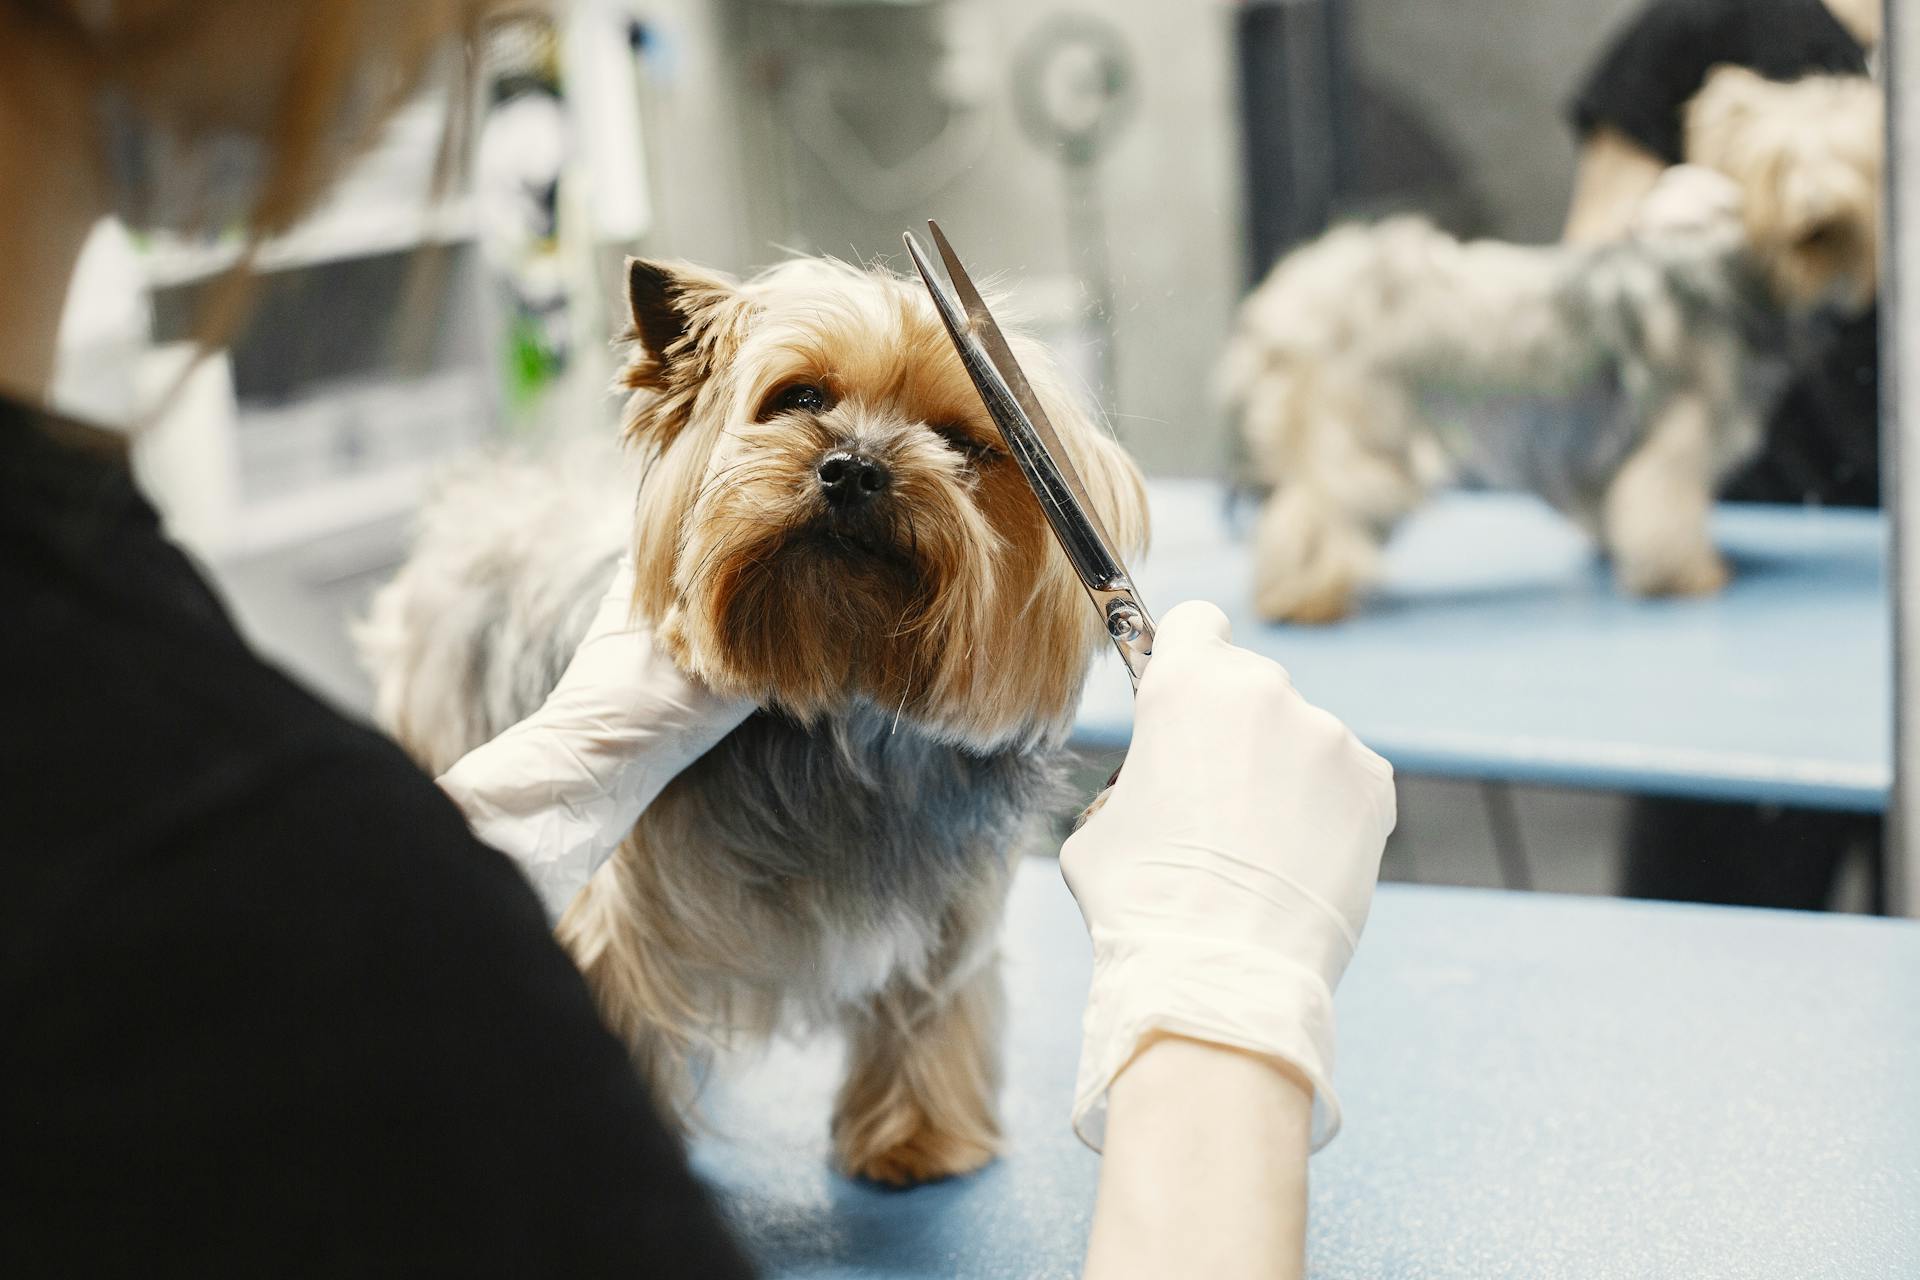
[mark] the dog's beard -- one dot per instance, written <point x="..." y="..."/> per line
<point x="810" y="611"/>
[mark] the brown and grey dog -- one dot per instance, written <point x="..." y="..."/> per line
<point x="825" y="523"/>
<point x="1622" y="382"/>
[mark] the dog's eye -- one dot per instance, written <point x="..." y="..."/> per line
<point x="801" y="397"/>
<point x="964" y="443"/>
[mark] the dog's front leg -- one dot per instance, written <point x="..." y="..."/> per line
<point x="1311" y="554"/>
<point x="1656" y="510"/>
<point x="923" y="1072"/>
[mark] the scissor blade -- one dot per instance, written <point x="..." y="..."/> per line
<point x="1075" y="525"/>
<point x="1056" y="487"/>
<point x="994" y="391"/>
<point x="950" y="313"/>
<point x="981" y="324"/>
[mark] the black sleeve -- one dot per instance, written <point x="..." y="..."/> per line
<point x="324" y="1032"/>
<point x="1661" y="57"/>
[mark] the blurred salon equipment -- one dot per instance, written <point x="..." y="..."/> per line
<point x="398" y="327"/>
<point x="1073" y="88"/>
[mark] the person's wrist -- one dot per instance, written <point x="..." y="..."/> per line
<point x="1226" y="993"/>
<point x="1165" y="1066"/>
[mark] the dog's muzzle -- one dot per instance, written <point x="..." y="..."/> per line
<point x="850" y="479"/>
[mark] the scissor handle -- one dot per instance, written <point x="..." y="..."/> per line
<point x="1128" y="624"/>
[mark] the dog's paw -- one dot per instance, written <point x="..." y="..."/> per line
<point x="1701" y="575"/>
<point x="1328" y="603"/>
<point x="925" y="1155"/>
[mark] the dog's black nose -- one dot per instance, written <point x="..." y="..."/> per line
<point x="848" y="479"/>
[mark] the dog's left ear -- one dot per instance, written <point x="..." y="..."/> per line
<point x="680" y="312"/>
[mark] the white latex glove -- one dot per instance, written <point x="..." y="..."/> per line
<point x="1227" y="877"/>
<point x="559" y="791"/>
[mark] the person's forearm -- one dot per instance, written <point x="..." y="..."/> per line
<point x="1205" y="1168"/>
<point x="1614" y="175"/>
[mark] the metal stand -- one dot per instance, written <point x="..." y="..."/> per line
<point x="1899" y="887"/>
<point x="1409" y="860"/>
<point x="1509" y="846"/>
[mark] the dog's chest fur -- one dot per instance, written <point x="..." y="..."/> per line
<point x="863" y="806"/>
<point x="790" y="863"/>
<point x="844" y="847"/>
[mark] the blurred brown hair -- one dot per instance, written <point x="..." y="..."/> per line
<point x="339" y="65"/>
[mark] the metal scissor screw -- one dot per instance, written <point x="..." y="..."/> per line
<point x="1124" y="621"/>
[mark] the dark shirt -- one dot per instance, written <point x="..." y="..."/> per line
<point x="266" y="1007"/>
<point x="1660" y="59"/>
<point x="1822" y="440"/>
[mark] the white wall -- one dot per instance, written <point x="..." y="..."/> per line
<point x="1168" y="185"/>
<point x="735" y="185"/>
<point x="1493" y="78"/>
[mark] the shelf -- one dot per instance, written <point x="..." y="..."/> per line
<point x="338" y="506"/>
<point x="335" y="235"/>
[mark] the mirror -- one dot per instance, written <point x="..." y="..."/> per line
<point x="1519" y="395"/>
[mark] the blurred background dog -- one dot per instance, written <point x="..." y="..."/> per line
<point x="1622" y="382"/>
<point x="825" y="523"/>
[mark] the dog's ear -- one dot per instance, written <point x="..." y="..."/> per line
<point x="1729" y="98"/>
<point x="1737" y="88"/>
<point x="675" y="308"/>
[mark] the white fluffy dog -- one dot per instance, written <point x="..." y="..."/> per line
<point x="1621" y="382"/>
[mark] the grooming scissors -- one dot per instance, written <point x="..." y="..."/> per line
<point x="1031" y="441"/>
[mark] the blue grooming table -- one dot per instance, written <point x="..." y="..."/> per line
<point x="1496" y="648"/>
<point x="1535" y="1087"/>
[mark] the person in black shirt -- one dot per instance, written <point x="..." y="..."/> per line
<point x="1636" y="92"/>
<point x="1822" y="441"/>
<point x="268" y="1007"/>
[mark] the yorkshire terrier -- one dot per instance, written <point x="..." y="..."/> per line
<point x="1622" y="382"/>
<point x="828" y="524"/>
<point x="1807" y="157"/>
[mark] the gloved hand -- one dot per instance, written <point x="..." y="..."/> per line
<point x="559" y="791"/>
<point x="1227" y="876"/>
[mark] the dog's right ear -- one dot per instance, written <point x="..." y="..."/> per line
<point x="679" y="312"/>
<point x="1729" y="97"/>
